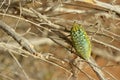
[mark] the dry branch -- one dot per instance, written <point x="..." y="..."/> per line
<point x="47" y="57"/>
<point x="115" y="8"/>
<point x="23" y="42"/>
<point x="96" y="69"/>
<point x="36" y="16"/>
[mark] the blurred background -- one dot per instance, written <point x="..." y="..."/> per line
<point x="46" y="24"/>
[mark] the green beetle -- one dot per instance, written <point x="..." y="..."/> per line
<point x="81" y="41"/>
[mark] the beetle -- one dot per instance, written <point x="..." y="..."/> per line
<point x="81" y="41"/>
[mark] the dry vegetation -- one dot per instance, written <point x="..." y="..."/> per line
<point x="35" y="42"/>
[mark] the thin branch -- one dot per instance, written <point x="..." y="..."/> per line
<point x="97" y="70"/>
<point x="111" y="46"/>
<point x="25" y="44"/>
<point x="26" y="20"/>
<point x="22" y="41"/>
<point x="108" y="6"/>
<point x="78" y="65"/>
<point x="45" y="19"/>
<point x="115" y="8"/>
<point x="27" y="77"/>
<point x="47" y="57"/>
<point x="5" y="76"/>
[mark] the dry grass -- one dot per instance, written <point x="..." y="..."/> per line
<point x="36" y="44"/>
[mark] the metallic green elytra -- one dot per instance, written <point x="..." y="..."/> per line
<point x="81" y="41"/>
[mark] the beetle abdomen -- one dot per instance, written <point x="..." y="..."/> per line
<point x="81" y="41"/>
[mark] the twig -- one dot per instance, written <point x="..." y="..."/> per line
<point x="76" y="63"/>
<point x="111" y="46"/>
<point x="13" y="49"/>
<point x="34" y="41"/>
<point x="26" y="20"/>
<point x="108" y="6"/>
<point x="60" y="9"/>
<point x="23" y="42"/>
<point x="104" y="5"/>
<point x="106" y="54"/>
<point x="96" y="69"/>
<point x="3" y="2"/>
<point x="5" y="76"/>
<point x="47" y="57"/>
<point x="45" y="19"/>
<point x="27" y="77"/>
